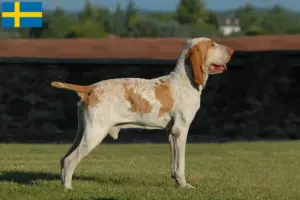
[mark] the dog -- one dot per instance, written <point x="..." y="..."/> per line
<point x="168" y="102"/>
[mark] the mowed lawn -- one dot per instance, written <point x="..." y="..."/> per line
<point x="258" y="170"/>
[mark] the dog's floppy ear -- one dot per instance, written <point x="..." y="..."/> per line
<point x="197" y="56"/>
<point x="196" y="59"/>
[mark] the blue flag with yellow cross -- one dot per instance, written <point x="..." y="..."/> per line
<point x="22" y="14"/>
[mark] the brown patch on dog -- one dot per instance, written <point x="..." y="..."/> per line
<point x="197" y="57"/>
<point x="92" y="98"/>
<point x="163" y="94"/>
<point x="137" y="102"/>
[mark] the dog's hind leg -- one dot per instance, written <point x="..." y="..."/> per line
<point x="92" y="134"/>
<point x="173" y="154"/>
<point x="76" y="141"/>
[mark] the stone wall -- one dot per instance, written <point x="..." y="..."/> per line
<point x="258" y="98"/>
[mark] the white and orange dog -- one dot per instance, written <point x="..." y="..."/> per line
<point x="169" y="102"/>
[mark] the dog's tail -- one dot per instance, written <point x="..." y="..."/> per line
<point x="81" y="90"/>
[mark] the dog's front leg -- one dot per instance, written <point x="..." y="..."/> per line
<point x="180" y="135"/>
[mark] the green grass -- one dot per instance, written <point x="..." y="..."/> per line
<point x="260" y="170"/>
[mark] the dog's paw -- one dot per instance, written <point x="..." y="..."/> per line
<point x="68" y="187"/>
<point x="187" y="185"/>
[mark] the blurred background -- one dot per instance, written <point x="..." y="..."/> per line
<point x="167" y="18"/>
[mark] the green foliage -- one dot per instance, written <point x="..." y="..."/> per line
<point x="104" y="17"/>
<point x="250" y="20"/>
<point x="88" y="11"/>
<point x="58" y="25"/>
<point x="190" y="11"/>
<point x="156" y="28"/>
<point x="130" y="18"/>
<point x="203" y="30"/>
<point x="147" y="28"/>
<point x="212" y="19"/>
<point x="86" y="29"/>
<point x="118" y="21"/>
<point x="162" y="16"/>
<point x="273" y="21"/>
<point x="200" y="22"/>
<point x="281" y="22"/>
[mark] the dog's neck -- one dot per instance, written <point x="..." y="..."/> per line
<point x="183" y="72"/>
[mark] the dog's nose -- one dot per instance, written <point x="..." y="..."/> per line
<point x="231" y="51"/>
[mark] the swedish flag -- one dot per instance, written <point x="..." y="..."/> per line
<point x="22" y="14"/>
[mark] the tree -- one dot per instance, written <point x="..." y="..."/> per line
<point x="162" y="16"/>
<point x="58" y="24"/>
<point x="203" y="30"/>
<point x="130" y="18"/>
<point x="104" y="17"/>
<point x="118" y="21"/>
<point x="39" y="32"/>
<point x="251" y="20"/>
<point x="212" y="19"/>
<point x="87" y="12"/>
<point x="147" y="28"/>
<point x="190" y="11"/>
<point x="86" y="29"/>
<point x="169" y="28"/>
<point x="280" y="21"/>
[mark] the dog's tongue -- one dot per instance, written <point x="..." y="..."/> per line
<point x="218" y="67"/>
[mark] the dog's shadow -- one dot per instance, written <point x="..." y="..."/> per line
<point x="28" y="178"/>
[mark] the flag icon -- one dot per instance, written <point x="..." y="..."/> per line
<point x="22" y="14"/>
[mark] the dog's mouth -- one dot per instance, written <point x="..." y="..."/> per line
<point x="217" y="68"/>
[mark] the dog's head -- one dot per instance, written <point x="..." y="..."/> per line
<point x="207" y="57"/>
